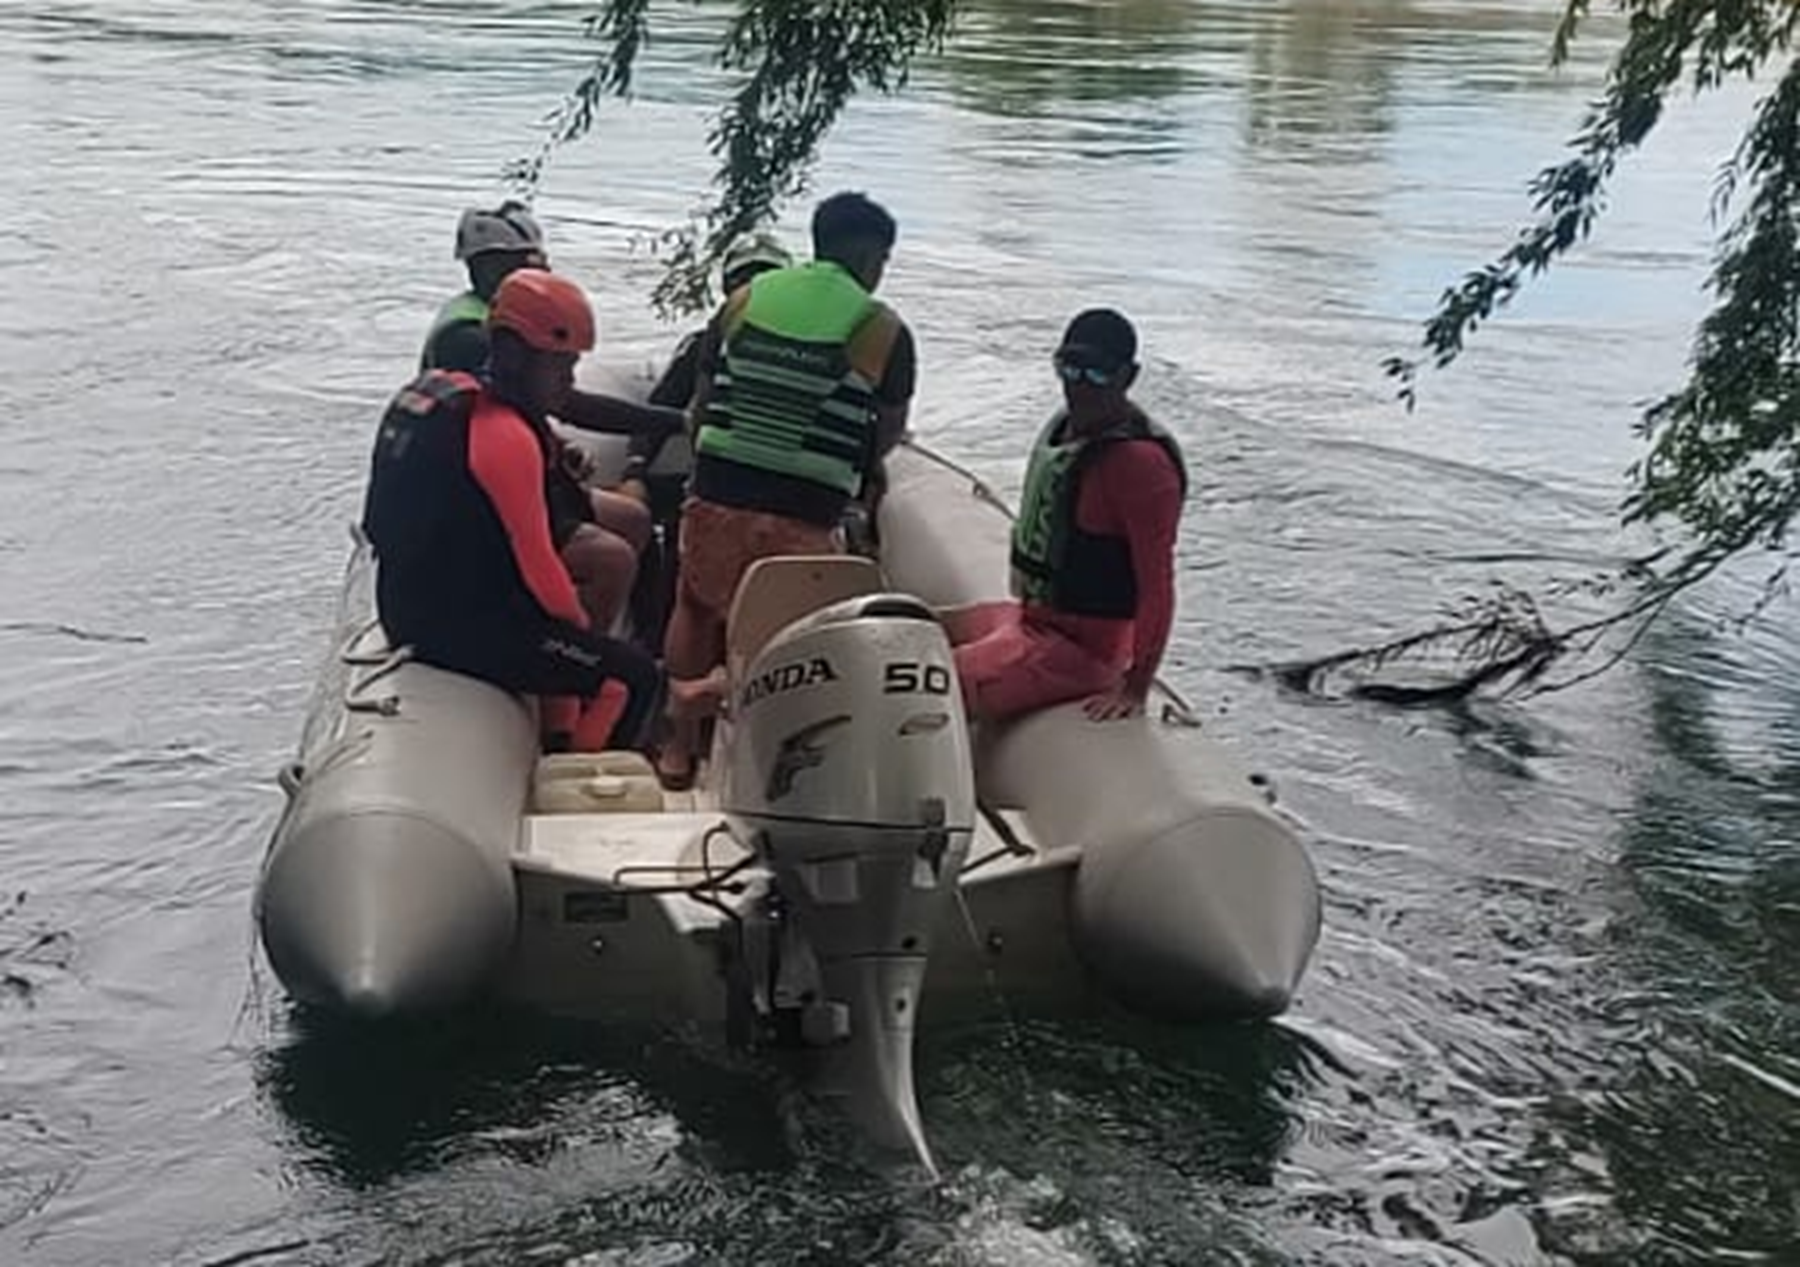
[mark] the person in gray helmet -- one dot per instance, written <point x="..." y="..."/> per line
<point x="491" y="245"/>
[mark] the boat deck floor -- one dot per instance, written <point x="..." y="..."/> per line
<point x="655" y="837"/>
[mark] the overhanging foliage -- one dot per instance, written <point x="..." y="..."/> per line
<point x="797" y="64"/>
<point x="1722" y="462"/>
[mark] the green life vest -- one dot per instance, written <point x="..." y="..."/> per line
<point x="793" y="391"/>
<point x="467" y="308"/>
<point x="1056" y="563"/>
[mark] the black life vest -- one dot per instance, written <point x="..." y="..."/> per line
<point x="1055" y="561"/>
<point x="440" y="545"/>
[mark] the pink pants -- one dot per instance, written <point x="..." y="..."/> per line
<point x="1010" y="666"/>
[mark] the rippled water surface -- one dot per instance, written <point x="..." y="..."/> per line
<point x="1555" y="1015"/>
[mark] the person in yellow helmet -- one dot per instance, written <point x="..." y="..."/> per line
<point x="746" y="259"/>
<point x="662" y="488"/>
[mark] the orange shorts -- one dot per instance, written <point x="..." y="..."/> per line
<point x="719" y="543"/>
<point x="1009" y="665"/>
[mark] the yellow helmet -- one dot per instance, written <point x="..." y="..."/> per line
<point x="751" y="254"/>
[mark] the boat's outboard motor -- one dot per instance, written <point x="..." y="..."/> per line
<point x="849" y="775"/>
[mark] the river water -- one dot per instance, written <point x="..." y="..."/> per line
<point x="1555" y="1014"/>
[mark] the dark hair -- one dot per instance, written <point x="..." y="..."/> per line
<point x="847" y="220"/>
<point x="1104" y="335"/>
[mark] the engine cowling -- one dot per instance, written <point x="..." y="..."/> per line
<point x="848" y="772"/>
<point x="852" y="715"/>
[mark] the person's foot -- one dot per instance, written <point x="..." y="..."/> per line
<point x="691" y="701"/>
<point x="675" y="770"/>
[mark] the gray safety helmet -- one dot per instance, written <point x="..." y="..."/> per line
<point x="508" y="227"/>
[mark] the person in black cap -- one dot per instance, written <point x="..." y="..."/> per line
<point x="1093" y="548"/>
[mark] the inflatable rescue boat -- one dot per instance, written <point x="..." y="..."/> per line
<point x="851" y="862"/>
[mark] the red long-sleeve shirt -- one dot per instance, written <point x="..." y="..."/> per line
<point x="508" y="462"/>
<point x="1133" y="491"/>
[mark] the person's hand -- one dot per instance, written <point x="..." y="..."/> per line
<point x="692" y="699"/>
<point x="632" y="482"/>
<point x="578" y="462"/>
<point x="1114" y="705"/>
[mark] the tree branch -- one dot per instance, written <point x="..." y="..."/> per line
<point x="800" y="62"/>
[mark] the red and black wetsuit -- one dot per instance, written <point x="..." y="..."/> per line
<point x="468" y="575"/>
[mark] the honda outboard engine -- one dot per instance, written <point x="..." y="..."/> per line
<point x="849" y="775"/>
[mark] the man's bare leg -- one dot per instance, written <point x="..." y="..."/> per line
<point x="694" y="656"/>
<point x="603" y="565"/>
<point x="623" y="516"/>
<point x="970" y="621"/>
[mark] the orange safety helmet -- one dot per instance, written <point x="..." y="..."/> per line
<point x="549" y="312"/>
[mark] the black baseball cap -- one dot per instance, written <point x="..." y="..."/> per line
<point x="1100" y="339"/>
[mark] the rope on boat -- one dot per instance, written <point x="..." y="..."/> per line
<point x="347" y="651"/>
<point x="296" y="774"/>
<point x="1010" y="844"/>
<point x="983" y="490"/>
<point x="386" y="705"/>
<point x="1176" y="711"/>
<point x="700" y="890"/>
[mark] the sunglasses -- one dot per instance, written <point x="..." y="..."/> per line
<point x="1070" y="372"/>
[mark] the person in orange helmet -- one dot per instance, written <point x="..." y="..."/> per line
<point x="458" y="510"/>
<point x="605" y="531"/>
